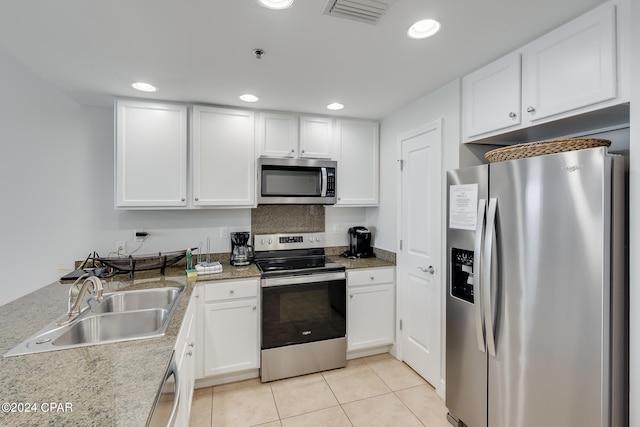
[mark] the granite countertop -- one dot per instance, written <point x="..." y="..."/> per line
<point x="109" y="384"/>
<point x="350" y="263"/>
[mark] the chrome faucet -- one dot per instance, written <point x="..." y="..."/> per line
<point x="77" y="296"/>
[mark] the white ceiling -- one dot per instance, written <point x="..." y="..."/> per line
<point x="201" y="50"/>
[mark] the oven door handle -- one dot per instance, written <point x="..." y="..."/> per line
<point x="302" y="279"/>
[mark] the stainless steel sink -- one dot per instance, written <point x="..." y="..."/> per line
<point x="114" y="327"/>
<point x="136" y="300"/>
<point x="121" y="316"/>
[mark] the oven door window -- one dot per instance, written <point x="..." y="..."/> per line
<point x="296" y="314"/>
<point x="291" y="182"/>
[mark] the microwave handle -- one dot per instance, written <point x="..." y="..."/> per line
<point x="323" y="192"/>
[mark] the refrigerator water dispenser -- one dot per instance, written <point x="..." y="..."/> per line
<point x="462" y="274"/>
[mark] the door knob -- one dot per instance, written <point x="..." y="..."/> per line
<point x="429" y="269"/>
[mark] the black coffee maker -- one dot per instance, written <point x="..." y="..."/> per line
<point x="241" y="250"/>
<point x="359" y="243"/>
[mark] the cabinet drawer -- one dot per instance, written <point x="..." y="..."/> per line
<point x="217" y="291"/>
<point x="369" y="276"/>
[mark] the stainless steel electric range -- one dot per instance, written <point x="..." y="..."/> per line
<point x="303" y="324"/>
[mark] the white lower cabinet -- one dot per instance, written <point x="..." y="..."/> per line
<point x="370" y="308"/>
<point x="185" y="351"/>
<point x="230" y="327"/>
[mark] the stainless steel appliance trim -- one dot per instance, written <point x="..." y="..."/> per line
<point x="487" y="275"/>
<point x="302" y="279"/>
<point x="618" y="403"/>
<point x="284" y="200"/>
<point x="477" y="279"/>
<point x="177" y="396"/>
<point x="271" y="242"/>
<point x="156" y="416"/>
<point x="301" y="359"/>
<point x="323" y="191"/>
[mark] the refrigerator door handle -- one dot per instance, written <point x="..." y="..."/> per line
<point x="477" y="256"/>
<point x="486" y="276"/>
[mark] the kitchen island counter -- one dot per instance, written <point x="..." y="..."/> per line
<point x="107" y="384"/>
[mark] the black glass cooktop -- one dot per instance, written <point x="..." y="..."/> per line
<point x="300" y="265"/>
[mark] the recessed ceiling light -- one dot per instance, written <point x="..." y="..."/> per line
<point x="247" y="97"/>
<point x="144" y="87"/>
<point x="335" y="106"/>
<point x="275" y="4"/>
<point x="423" y="29"/>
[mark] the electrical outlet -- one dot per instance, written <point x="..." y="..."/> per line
<point x="121" y="247"/>
<point x="224" y="233"/>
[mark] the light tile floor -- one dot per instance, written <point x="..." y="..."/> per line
<point x="371" y="391"/>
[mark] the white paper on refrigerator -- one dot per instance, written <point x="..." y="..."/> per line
<point x="463" y="206"/>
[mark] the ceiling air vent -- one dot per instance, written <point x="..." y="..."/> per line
<point x="367" y="11"/>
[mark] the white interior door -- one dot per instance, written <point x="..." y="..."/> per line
<point x="419" y="260"/>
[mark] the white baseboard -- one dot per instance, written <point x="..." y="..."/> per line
<point x="441" y="389"/>
<point x="355" y="354"/>
<point x="226" y="378"/>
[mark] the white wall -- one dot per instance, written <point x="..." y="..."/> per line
<point x="46" y="169"/>
<point x="443" y="103"/>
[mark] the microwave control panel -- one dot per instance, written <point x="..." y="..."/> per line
<point x="331" y="182"/>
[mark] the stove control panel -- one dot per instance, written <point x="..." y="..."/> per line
<point x="274" y="242"/>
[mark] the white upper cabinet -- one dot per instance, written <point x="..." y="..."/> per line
<point x="222" y="157"/>
<point x="151" y="155"/>
<point x="571" y="67"/>
<point x="491" y="97"/>
<point x="277" y="135"/>
<point x="580" y="67"/>
<point x="357" y="149"/>
<point x="316" y="137"/>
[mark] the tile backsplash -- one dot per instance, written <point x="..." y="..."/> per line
<point x="267" y="219"/>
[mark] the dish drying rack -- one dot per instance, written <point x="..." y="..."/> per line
<point x="206" y="266"/>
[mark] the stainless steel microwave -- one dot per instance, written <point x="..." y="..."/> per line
<point x="296" y="181"/>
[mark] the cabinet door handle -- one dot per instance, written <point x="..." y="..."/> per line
<point x="197" y="199"/>
<point x="512" y="115"/>
<point x="350" y="295"/>
<point x="255" y="308"/>
<point x="190" y="353"/>
<point x="372" y="278"/>
<point x="192" y="344"/>
<point x="530" y="109"/>
<point x="183" y="199"/>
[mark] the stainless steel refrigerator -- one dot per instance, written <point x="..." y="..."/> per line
<point x="536" y="329"/>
